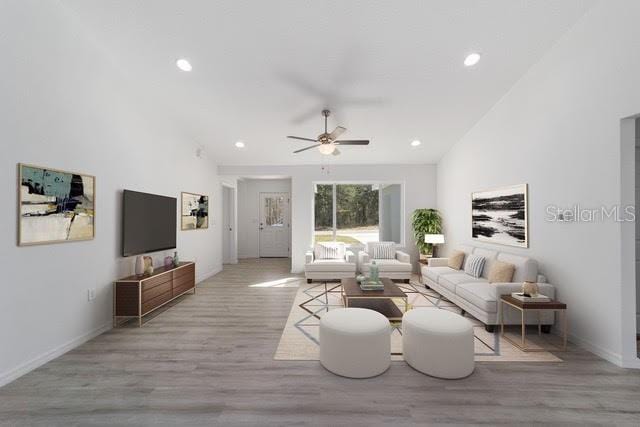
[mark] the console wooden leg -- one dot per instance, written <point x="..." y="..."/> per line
<point x="308" y="280"/>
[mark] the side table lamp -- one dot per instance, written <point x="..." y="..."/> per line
<point x="434" y="240"/>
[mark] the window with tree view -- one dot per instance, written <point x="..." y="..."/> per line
<point x="357" y="213"/>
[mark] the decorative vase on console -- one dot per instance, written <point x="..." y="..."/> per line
<point x="176" y="261"/>
<point x="139" y="265"/>
<point x="168" y="261"/>
<point x="148" y="265"/>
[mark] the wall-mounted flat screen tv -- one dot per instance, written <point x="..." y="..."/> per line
<point x="149" y="223"/>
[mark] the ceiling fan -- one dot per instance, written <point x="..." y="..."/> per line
<point x="328" y="143"/>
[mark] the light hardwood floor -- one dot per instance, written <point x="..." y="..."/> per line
<point x="208" y="360"/>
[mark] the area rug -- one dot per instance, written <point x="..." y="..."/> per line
<point x="299" y="339"/>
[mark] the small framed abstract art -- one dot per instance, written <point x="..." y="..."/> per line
<point x="194" y="211"/>
<point x="500" y="216"/>
<point x="54" y="206"/>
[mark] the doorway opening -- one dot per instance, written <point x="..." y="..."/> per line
<point x="630" y="241"/>
<point x="637" y="233"/>
<point x="264" y="217"/>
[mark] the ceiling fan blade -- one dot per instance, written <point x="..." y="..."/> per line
<point x="301" y="138"/>
<point x="336" y="152"/>
<point x="307" y="148"/>
<point x="337" y="132"/>
<point x="352" y="142"/>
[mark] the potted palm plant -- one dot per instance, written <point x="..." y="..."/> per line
<point x="425" y="221"/>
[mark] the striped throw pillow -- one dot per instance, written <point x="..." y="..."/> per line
<point x="329" y="251"/>
<point x="474" y="265"/>
<point x="384" y="250"/>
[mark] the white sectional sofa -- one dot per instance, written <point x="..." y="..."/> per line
<point x="397" y="268"/>
<point x="327" y="269"/>
<point x="480" y="298"/>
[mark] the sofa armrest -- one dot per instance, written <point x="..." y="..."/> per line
<point x="363" y="258"/>
<point x="403" y="257"/>
<point x="508" y="288"/>
<point x="438" y="262"/>
<point x="350" y="256"/>
<point x="308" y="257"/>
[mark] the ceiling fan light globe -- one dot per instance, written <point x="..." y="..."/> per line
<point x="327" y="148"/>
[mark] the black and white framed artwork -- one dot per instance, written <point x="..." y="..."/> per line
<point x="500" y="216"/>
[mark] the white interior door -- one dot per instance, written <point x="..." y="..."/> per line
<point x="274" y="224"/>
<point x="228" y="224"/>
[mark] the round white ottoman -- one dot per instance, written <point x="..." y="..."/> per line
<point x="438" y="342"/>
<point x="355" y="342"/>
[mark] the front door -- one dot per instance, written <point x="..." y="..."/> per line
<point x="274" y="224"/>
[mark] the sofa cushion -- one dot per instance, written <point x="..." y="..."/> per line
<point x="489" y="256"/>
<point x="480" y="294"/>
<point x="450" y="281"/>
<point x="474" y="265"/>
<point x="381" y="250"/>
<point x="501" y="272"/>
<point x="434" y="273"/>
<point x="329" y="250"/>
<point x="456" y="260"/>
<point x="330" y="265"/>
<point x="526" y="269"/>
<point x="389" y="265"/>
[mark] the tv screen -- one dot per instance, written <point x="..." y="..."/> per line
<point x="148" y="223"/>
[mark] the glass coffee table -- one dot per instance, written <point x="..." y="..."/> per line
<point x="380" y="301"/>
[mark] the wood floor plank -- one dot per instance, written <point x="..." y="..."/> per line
<point x="208" y="360"/>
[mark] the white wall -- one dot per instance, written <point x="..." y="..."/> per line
<point x="249" y="211"/>
<point x="419" y="184"/>
<point x="558" y="129"/>
<point x="63" y="104"/>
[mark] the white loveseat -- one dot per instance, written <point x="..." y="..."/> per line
<point x="327" y="269"/>
<point x="397" y="268"/>
<point x="480" y="298"/>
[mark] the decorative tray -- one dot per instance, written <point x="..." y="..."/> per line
<point x="372" y="286"/>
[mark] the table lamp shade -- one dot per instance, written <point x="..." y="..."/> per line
<point x="434" y="239"/>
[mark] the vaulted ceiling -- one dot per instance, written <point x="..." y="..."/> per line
<point x="391" y="72"/>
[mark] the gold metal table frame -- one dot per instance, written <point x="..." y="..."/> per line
<point x="524" y="307"/>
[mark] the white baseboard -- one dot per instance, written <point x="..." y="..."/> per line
<point x="36" y="362"/>
<point x="607" y="355"/>
<point x="204" y="276"/>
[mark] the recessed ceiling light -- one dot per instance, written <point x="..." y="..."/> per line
<point x="184" y="65"/>
<point x="471" y="59"/>
<point x="415" y="143"/>
<point x="240" y="144"/>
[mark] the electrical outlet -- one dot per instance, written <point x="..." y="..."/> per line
<point x="91" y="294"/>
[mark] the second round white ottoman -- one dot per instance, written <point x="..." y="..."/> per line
<point x="355" y="342"/>
<point x="438" y="342"/>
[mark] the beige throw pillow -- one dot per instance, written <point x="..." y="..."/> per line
<point x="501" y="272"/>
<point x="456" y="259"/>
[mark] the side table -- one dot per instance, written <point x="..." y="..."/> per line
<point x="524" y="307"/>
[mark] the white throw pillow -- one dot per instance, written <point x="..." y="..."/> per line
<point x="329" y="250"/>
<point x="473" y="265"/>
<point x="384" y="250"/>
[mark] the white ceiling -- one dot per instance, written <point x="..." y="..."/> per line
<point x="389" y="71"/>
